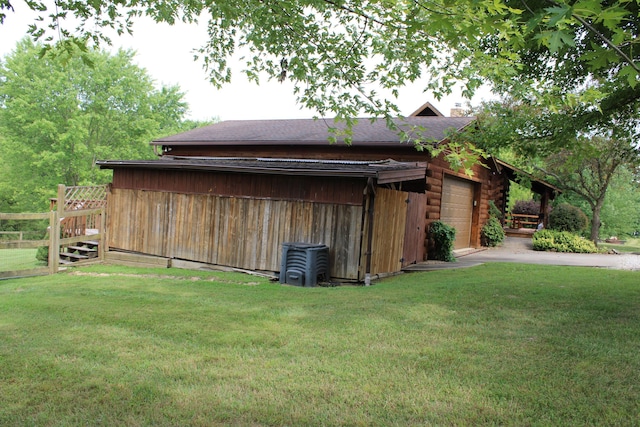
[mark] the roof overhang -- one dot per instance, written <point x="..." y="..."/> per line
<point x="384" y="172"/>
<point x="538" y="186"/>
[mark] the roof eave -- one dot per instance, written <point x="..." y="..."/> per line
<point x="298" y="143"/>
<point x="381" y="175"/>
<point x="535" y="181"/>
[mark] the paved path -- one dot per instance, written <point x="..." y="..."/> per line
<point x="518" y="249"/>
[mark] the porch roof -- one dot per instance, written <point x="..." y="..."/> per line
<point x="538" y="186"/>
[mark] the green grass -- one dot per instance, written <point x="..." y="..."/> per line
<point x="630" y="245"/>
<point x="504" y="344"/>
<point x="19" y="259"/>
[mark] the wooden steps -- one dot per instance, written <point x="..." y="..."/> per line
<point x="89" y="252"/>
<point x="82" y="252"/>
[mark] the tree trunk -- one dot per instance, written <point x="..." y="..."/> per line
<point x="595" y="220"/>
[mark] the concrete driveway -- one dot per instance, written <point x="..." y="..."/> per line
<point x="518" y="249"/>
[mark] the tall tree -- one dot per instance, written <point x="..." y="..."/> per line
<point x="588" y="170"/>
<point x="621" y="211"/>
<point x="620" y="215"/>
<point x="58" y="115"/>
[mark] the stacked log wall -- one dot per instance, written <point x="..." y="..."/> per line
<point x="437" y="169"/>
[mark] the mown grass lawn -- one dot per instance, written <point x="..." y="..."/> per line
<point x="504" y="344"/>
<point x="19" y="259"/>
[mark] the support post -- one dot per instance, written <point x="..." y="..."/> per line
<point x="61" y="202"/>
<point x="371" y="197"/>
<point x="103" y="235"/>
<point x="544" y="208"/>
<point x="54" y="242"/>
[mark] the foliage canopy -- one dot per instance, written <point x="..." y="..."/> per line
<point x="340" y="53"/>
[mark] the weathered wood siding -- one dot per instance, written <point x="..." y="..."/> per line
<point x="281" y="187"/>
<point x="238" y="232"/>
<point x="490" y="186"/>
<point x="415" y="232"/>
<point x="389" y="225"/>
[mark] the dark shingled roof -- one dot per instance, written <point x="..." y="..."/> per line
<point x="312" y="131"/>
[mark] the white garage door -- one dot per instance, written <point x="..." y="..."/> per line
<point x="457" y="208"/>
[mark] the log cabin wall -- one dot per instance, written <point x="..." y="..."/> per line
<point x="400" y="152"/>
<point x="487" y="187"/>
<point x="324" y="151"/>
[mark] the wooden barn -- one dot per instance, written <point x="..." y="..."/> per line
<point x="233" y="193"/>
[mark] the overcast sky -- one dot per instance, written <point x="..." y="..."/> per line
<point x="166" y="52"/>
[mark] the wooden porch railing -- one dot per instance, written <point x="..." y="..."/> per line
<point x="521" y="221"/>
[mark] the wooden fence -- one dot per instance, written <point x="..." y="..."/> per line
<point x="54" y="241"/>
<point x="7" y="245"/>
<point x="79" y="217"/>
<point x="238" y="232"/>
<point x="20" y="234"/>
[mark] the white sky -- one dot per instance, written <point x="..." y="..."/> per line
<point x="166" y="52"/>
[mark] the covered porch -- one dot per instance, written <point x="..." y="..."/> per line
<point x="525" y="225"/>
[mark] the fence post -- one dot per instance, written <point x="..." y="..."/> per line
<point x="54" y="242"/>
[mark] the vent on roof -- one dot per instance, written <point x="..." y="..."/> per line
<point x="304" y="264"/>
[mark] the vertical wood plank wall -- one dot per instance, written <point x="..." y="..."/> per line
<point x="415" y="232"/>
<point x="239" y="232"/>
<point x="389" y="224"/>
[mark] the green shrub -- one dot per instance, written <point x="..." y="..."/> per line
<point x="494" y="211"/>
<point x="565" y="217"/>
<point x="562" y="241"/>
<point x="492" y="233"/>
<point x="441" y="240"/>
<point x="42" y="254"/>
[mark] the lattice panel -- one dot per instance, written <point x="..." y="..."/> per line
<point x="80" y="198"/>
<point x="85" y="197"/>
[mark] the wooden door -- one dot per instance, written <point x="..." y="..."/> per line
<point x="415" y="233"/>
